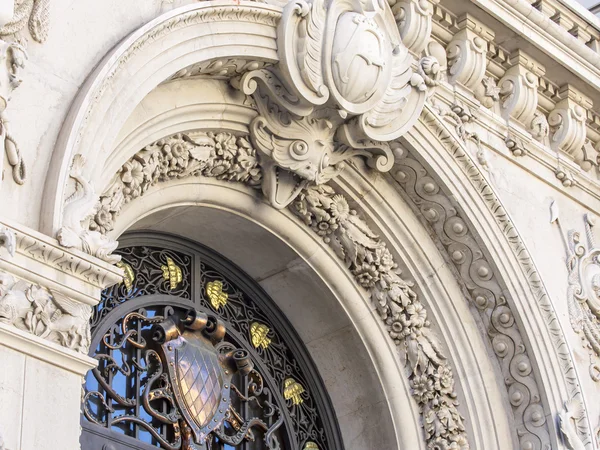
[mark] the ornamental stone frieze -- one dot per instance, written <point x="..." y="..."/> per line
<point x="568" y="125"/>
<point x="48" y="291"/>
<point x="518" y="88"/>
<point x="346" y="84"/>
<point x="467" y="52"/>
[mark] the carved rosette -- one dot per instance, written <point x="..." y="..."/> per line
<point x="345" y="86"/>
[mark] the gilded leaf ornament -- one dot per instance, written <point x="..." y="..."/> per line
<point x="172" y="273"/>
<point x="214" y="290"/>
<point x="129" y="276"/>
<point x="258" y="335"/>
<point x="293" y="391"/>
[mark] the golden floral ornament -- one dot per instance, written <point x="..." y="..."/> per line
<point x="310" y="445"/>
<point x="172" y="273"/>
<point x="258" y="334"/>
<point x="214" y="290"/>
<point x="129" y="276"/>
<point x="293" y="391"/>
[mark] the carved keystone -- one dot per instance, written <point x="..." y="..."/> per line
<point x="518" y="88"/>
<point x="414" y="22"/>
<point x="467" y="52"/>
<point x="567" y="124"/>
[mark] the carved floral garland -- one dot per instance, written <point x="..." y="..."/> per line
<point x="229" y="157"/>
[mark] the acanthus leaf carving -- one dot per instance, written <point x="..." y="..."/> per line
<point x="44" y="313"/>
<point x="8" y="241"/>
<point x="467" y="52"/>
<point x="487" y="92"/>
<point x="323" y="47"/>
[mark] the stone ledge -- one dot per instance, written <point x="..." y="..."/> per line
<point x="40" y="259"/>
<point x="44" y="350"/>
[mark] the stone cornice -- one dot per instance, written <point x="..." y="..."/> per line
<point x="39" y="258"/>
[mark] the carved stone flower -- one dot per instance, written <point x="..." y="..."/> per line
<point x="339" y="207"/>
<point x="443" y="380"/>
<point x="132" y="176"/>
<point x="418" y="314"/>
<point x="423" y="390"/>
<point x="103" y="221"/>
<point x="366" y="275"/>
<point x="225" y="145"/>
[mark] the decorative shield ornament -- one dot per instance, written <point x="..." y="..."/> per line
<point x="200" y="376"/>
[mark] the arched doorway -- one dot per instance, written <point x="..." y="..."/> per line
<point x="143" y="395"/>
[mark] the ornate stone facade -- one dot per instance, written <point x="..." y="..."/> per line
<point x="397" y="147"/>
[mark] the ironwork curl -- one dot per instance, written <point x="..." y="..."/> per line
<point x="132" y="389"/>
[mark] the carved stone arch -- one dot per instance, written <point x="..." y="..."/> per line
<point x="442" y="156"/>
<point x="277" y="230"/>
<point x="178" y="41"/>
<point x="193" y="35"/>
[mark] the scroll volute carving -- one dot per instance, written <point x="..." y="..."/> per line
<point x="467" y="52"/>
<point x="414" y="22"/>
<point x="345" y="85"/>
<point x="567" y="124"/>
<point x="518" y="88"/>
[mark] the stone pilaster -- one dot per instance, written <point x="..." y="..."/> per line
<point x="46" y="298"/>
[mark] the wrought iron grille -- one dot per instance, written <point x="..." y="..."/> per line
<point x="134" y="399"/>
